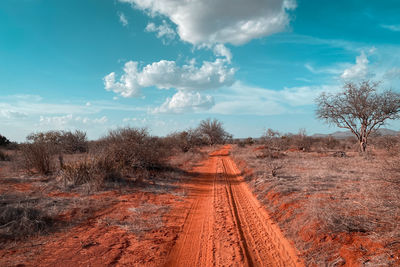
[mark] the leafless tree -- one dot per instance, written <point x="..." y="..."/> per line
<point x="213" y="131"/>
<point x="359" y="108"/>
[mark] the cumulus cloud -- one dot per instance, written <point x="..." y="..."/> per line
<point x="123" y="19"/>
<point x="223" y="21"/>
<point x="184" y="101"/>
<point x="166" y="74"/>
<point x="359" y="70"/>
<point x="164" y="31"/>
<point x="222" y="51"/>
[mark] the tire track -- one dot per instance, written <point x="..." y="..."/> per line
<point x="226" y="225"/>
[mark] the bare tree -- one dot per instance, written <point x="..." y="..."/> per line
<point x="213" y="131"/>
<point x="359" y="108"/>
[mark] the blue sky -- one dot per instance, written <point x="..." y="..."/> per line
<point x="99" y="64"/>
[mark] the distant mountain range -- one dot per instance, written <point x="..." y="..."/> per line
<point x="346" y="134"/>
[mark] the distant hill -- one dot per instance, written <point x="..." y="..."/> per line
<point x="346" y="134"/>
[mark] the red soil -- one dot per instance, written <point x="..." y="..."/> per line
<point x="226" y="226"/>
<point x="352" y="247"/>
<point x="221" y="223"/>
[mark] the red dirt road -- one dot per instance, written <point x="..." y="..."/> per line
<point x="226" y="225"/>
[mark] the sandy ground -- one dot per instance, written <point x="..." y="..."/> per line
<point x="226" y="226"/>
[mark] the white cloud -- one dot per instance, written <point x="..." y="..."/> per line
<point x="166" y="74"/>
<point x="101" y="120"/>
<point x="359" y="70"/>
<point x="12" y="114"/>
<point x="124" y="21"/>
<point x="139" y="121"/>
<point x="163" y="31"/>
<point x="328" y="70"/>
<point x="222" y="51"/>
<point x="394" y="28"/>
<point x="56" y="120"/>
<point x="223" y="21"/>
<point x="184" y="101"/>
<point x="69" y="119"/>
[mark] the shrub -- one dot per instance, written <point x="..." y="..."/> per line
<point x="4" y="141"/>
<point x="93" y="172"/>
<point x="38" y="156"/>
<point x="185" y="140"/>
<point x="132" y="151"/>
<point x="4" y="156"/>
<point x="22" y="220"/>
<point x="213" y="132"/>
<point x="63" y="141"/>
<point x="388" y="143"/>
<point x="331" y="142"/>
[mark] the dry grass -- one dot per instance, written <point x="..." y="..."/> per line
<point x="25" y="215"/>
<point x="143" y="219"/>
<point x="4" y="156"/>
<point x="353" y="194"/>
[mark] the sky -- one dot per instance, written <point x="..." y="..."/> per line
<point x="96" y="65"/>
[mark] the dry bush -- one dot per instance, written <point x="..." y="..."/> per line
<point x="213" y="132"/>
<point x="268" y="153"/>
<point x="134" y="149"/>
<point x="96" y="173"/>
<point x="79" y="173"/>
<point x="38" y="157"/>
<point x="4" y="156"/>
<point x="274" y="166"/>
<point x="62" y="141"/>
<point x="277" y="141"/>
<point x="4" y="141"/>
<point x="188" y="159"/>
<point x="390" y="144"/>
<point x="21" y="217"/>
<point x="185" y="140"/>
<point x="39" y="153"/>
<point x="22" y="221"/>
<point x="123" y="156"/>
<point x="132" y="152"/>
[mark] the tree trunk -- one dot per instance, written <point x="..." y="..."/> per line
<point x="363" y="146"/>
<point x="363" y="138"/>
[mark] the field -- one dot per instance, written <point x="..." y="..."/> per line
<point x="278" y="202"/>
<point x="338" y="210"/>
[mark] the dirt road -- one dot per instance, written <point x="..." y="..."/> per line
<point x="226" y="225"/>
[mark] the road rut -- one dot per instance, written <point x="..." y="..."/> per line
<point x="226" y="225"/>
